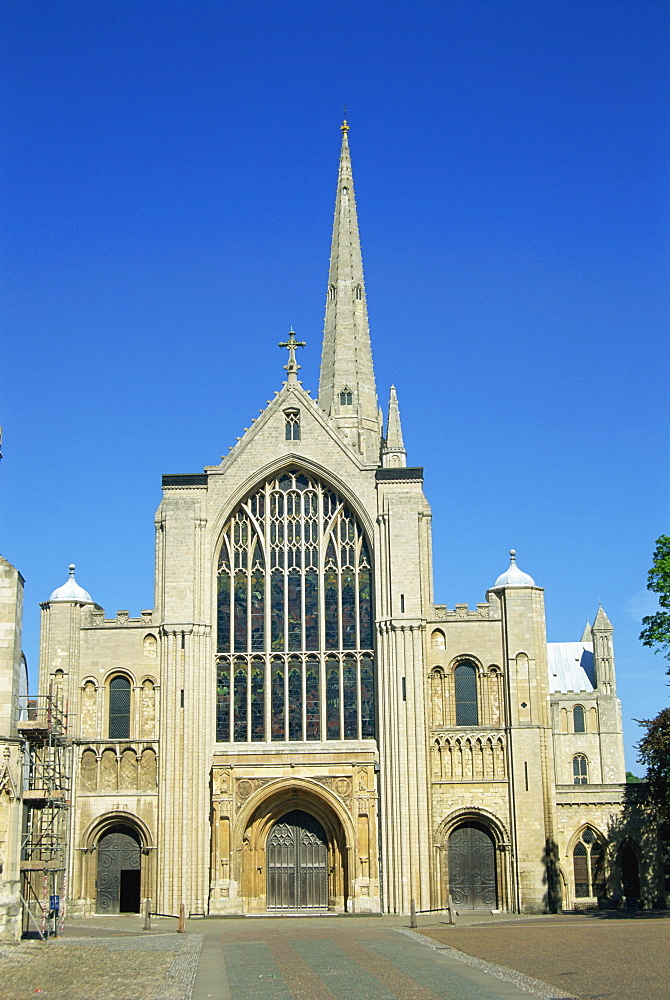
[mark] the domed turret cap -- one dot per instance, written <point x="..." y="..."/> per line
<point x="514" y="577"/>
<point x="71" y="591"/>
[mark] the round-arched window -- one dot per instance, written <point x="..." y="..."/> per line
<point x="294" y="617"/>
<point x="465" y="682"/>
<point x="119" y="708"/>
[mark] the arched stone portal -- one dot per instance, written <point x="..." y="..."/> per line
<point x="296" y="843"/>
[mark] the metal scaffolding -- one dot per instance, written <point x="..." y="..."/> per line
<point x="46" y="798"/>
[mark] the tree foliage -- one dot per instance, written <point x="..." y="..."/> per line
<point x="654" y="751"/>
<point x="656" y="631"/>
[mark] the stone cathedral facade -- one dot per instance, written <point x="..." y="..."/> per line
<point x="296" y="725"/>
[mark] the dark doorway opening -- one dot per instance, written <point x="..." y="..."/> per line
<point x="630" y="872"/>
<point x="297" y="864"/>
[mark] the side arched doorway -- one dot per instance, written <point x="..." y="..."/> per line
<point x="630" y="871"/>
<point x="297" y="863"/>
<point x="119" y="871"/>
<point x="472" y="867"/>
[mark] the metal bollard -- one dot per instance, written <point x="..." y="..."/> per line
<point x="181" y="929"/>
<point x="147" y="915"/>
<point x="412" y="913"/>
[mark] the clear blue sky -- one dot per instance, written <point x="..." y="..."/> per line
<point x="168" y="180"/>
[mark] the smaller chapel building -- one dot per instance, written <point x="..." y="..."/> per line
<point x="296" y="725"/>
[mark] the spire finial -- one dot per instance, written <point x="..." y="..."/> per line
<point x="345" y="124"/>
<point x="292" y="367"/>
<point x="72" y="568"/>
<point x="512" y="555"/>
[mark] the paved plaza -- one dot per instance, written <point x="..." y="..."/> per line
<point x="345" y="958"/>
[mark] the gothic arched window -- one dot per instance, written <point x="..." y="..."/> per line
<point x="294" y="617"/>
<point x="292" y="429"/>
<point x="465" y="683"/>
<point x="119" y="708"/>
<point x="588" y="859"/>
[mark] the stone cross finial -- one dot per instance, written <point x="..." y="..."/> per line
<point x="292" y="367"/>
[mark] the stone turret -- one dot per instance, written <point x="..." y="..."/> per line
<point x="393" y="448"/>
<point x="603" y="653"/>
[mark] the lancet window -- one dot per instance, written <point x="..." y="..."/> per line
<point x="294" y="617"/>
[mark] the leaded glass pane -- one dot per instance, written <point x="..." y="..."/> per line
<point x="294" y="700"/>
<point x="365" y="606"/>
<point x="311" y="610"/>
<point x="223" y="616"/>
<point x="257" y="701"/>
<point x="332" y="699"/>
<point x="294" y="611"/>
<point x="581" y="869"/>
<point x="331" y="610"/>
<point x="240" y="703"/>
<point x="277" y="610"/>
<point x="257" y="609"/>
<point x="465" y="676"/>
<point x="240" y="611"/>
<point x="350" y="700"/>
<point x="119" y="708"/>
<point x="312" y="699"/>
<point x="579" y="719"/>
<point x="277" y="699"/>
<point x="367" y="698"/>
<point x="223" y="702"/>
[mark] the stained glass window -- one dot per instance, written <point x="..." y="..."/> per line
<point x="294" y="580"/>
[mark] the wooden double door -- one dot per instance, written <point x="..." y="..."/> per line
<point x="297" y="864"/>
<point x="119" y="872"/>
<point x="472" y="868"/>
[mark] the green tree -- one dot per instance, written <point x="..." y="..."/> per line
<point x="656" y="631"/>
<point x="654" y="752"/>
<point x="654" y="747"/>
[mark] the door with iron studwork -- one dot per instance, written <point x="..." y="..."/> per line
<point x="118" y="884"/>
<point x="472" y="868"/>
<point x="297" y="864"/>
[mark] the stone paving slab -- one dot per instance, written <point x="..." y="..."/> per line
<point x="345" y="959"/>
<point x="590" y="957"/>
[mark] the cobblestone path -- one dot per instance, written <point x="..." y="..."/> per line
<point x="151" y="967"/>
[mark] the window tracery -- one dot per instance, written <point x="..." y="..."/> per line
<point x="294" y="617"/>
<point x="588" y="859"/>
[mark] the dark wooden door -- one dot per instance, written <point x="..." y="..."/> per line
<point x="472" y="869"/>
<point x="297" y="864"/>
<point x="118" y="883"/>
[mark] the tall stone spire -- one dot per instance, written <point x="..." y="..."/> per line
<point x="347" y="390"/>
<point x="393" y="448"/>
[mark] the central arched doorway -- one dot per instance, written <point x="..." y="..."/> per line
<point x="119" y="871"/>
<point x="297" y="863"/>
<point x="472" y="868"/>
